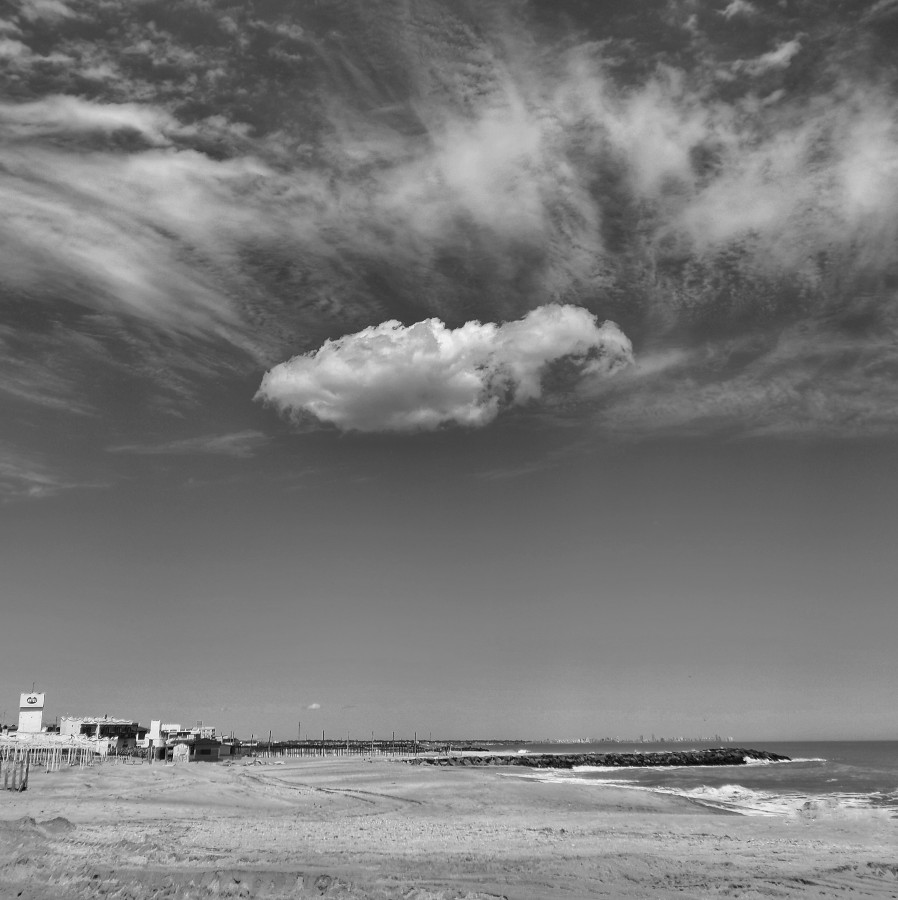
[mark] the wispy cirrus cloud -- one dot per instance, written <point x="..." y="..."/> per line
<point x="12" y="49"/>
<point x="62" y="114"/>
<point x="37" y="378"/>
<point x="239" y="445"/>
<point x="112" y="234"/>
<point x="739" y="8"/>
<point x="478" y="174"/>
<point x="799" y="383"/>
<point x="28" y="476"/>
<point x="779" y="58"/>
<point x="33" y="10"/>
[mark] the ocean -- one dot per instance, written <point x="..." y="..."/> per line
<point x="823" y="777"/>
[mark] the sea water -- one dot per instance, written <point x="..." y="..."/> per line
<point x="823" y="777"/>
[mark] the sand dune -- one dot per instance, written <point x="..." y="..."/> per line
<point x="352" y="828"/>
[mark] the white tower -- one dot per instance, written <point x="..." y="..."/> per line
<point x="31" y="713"/>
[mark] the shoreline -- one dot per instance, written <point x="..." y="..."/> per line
<point x="355" y="828"/>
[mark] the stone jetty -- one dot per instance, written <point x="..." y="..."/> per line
<point x="721" y="756"/>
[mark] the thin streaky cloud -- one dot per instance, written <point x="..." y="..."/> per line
<point x="27" y="476"/>
<point x="799" y="384"/>
<point x="240" y="445"/>
<point x="739" y="8"/>
<point x="34" y="10"/>
<point x="779" y="58"/>
<point x="507" y="473"/>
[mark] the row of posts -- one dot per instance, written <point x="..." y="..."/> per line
<point x="15" y="775"/>
<point x="16" y="762"/>
<point x="345" y="747"/>
<point x="14" y="768"/>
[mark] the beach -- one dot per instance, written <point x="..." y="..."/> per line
<point x="360" y="828"/>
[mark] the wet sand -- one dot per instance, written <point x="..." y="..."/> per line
<point x="353" y="828"/>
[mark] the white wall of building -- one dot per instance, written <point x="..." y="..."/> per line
<point x="31" y="713"/>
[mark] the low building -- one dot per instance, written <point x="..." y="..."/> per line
<point x="114" y="735"/>
<point x="205" y="750"/>
<point x="168" y="740"/>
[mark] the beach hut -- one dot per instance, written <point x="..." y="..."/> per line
<point x="205" y="750"/>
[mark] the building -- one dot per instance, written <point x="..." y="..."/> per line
<point x="165" y="740"/>
<point x="205" y="750"/>
<point x="112" y="735"/>
<point x="31" y="713"/>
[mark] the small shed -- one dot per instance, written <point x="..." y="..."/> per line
<point x="205" y="750"/>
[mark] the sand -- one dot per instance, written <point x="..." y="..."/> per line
<point x="357" y="828"/>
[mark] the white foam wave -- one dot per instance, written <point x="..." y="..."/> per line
<point x="562" y="776"/>
<point x="744" y="800"/>
<point x="783" y="762"/>
<point x="736" y="798"/>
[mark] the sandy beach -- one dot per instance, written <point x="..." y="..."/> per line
<point x="358" y="828"/>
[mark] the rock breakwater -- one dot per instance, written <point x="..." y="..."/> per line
<point x="722" y="756"/>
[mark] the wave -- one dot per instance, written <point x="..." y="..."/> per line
<point x="749" y="762"/>
<point x="742" y="800"/>
<point x="739" y="799"/>
<point x="782" y="762"/>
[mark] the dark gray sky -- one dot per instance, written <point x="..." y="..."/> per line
<point x="477" y="369"/>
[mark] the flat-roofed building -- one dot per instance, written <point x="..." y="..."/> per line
<point x="116" y="734"/>
<point x="205" y="750"/>
<point x="200" y="741"/>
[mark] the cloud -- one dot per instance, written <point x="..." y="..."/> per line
<point x="28" y="476"/>
<point x="739" y="8"/>
<point x="780" y="58"/>
<point x="435" y="165"/>
<point x="881" y="11"/>
<point x="314" y="706"/>
<point x="240" y="445"/>
<point x="60" y="113"/>
<point x="12" y="49"/>
<point x="807" y="381"/>
<point x="133" y="235"/>
<point x="33" y="10"/>
<point x="390" y="377"/>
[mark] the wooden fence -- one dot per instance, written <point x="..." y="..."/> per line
<point x="14" y="769"/>
<point x="299" y="749"/>
<point x="16" y="762"/>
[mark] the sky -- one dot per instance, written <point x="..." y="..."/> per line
<point x="496" y="369"/>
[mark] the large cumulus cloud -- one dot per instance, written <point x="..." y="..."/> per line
<point x="391" y="377"/>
